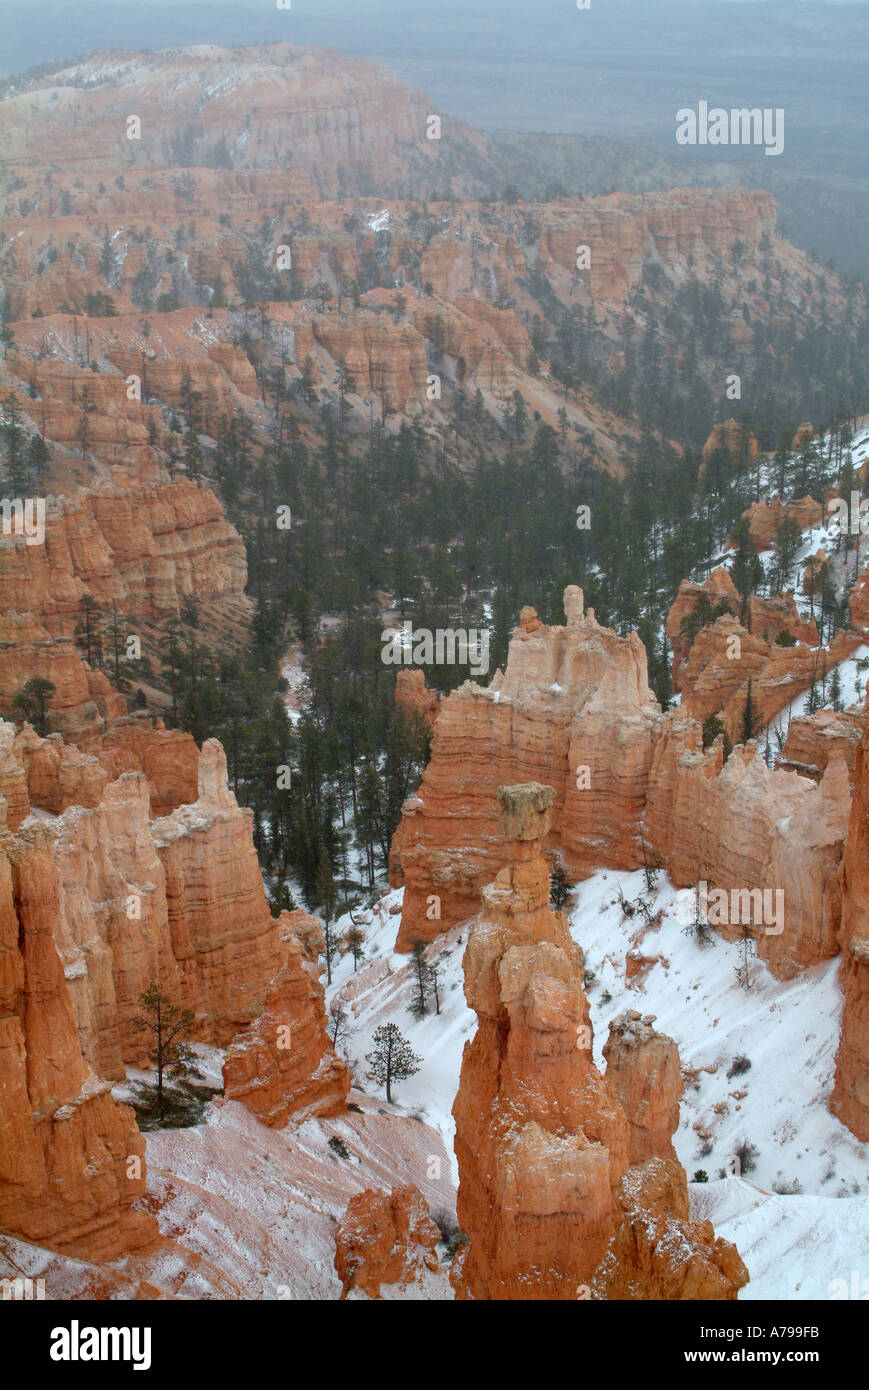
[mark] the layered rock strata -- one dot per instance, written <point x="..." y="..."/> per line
<point x="850" y="1098"/>
<point x="573" y="709"/>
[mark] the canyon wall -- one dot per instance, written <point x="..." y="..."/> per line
<point x="72" y="1160"/>
<point x="95" y="905"/>
<point x="850" y="1098"/>
<point x="573" y="709"/>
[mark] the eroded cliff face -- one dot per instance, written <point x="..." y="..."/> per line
<point x="284" y="1063"/>
<point x="850" y="1098"/>
<point x="573" y="709"/>
<point x="657" y="1252"/>
<point x="712" y="672"/>
<point x="95" y="905"/>
<point x="141" y="547"/>
<point x="740" y="825"/>
<point x="72" y="1160"/>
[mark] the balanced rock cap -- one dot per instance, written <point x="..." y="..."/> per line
<point x="525" y="810"/>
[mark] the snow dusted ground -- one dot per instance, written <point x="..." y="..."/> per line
<point x="794" y="1242"/>
<point x="853" y="675"/>
<point x="382" y="991"/>
<point x="261" y="1206"/>
<point x="293" y="671"/>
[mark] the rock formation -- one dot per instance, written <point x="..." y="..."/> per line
<point x="731" y="435"/>
<point x="72" y="1161"/>
<point x="548" y="1198"/>
<point x="713" y="671"/>
<point x="413" y="697"/>
<point x="657" y="1252"/>
<point x="141" y="547"/>
<point x="541" y="1139"/>
<point x="385" y="1238"/>
<point x="572" y="709"/>
<point x="643" y="1067"/>
<point x="739" y="825"/>
<point x="813" y="740"/>
<point x="94" y="906"/>
<point x="850" y="1098"/>
<point x="284" y="1064"/>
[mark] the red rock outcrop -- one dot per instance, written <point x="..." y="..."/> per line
<point x="739" y="825"/>
<point x="27" y="649"/>
<point x="72" y="1161"/>
<point x="730" y="434"/>
<point x="813" y="740"/>
<point x="385" y="1238"/>
<point x="644" y="1070"/>
<point x="379" y="355"/>
<point x="859" y="602"/>
<point x="712" y="673"/>
<point x="657" y="1253"/>
<point x="58" y="774"/>
<point x="13" y="781"/>
<point x="765" y="518"/>
<point x="223" y="937"/>
<point x="141" y="547"/>
<point x="850" y="1098"/>
<point x="573" y="709"/>
<point x="622" y="230"/>
<point x="179" y="900"/>
<point x="541" y="1139"/>
<point x="89" y="917"/>
<point x="413" y="697"/>
<point x="169" y="759"/>
<point x="284" y="1065"/>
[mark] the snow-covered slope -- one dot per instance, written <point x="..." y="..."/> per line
<point x="777" y="1106"/>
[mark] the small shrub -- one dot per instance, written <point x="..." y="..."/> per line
<point x="748" y="1155"/>
<point x="787" y="1188"/>
<point x="701" y="1175"/>
<point x="454" y="1244"/>
<point x="338" y="1147"/>
<point x="738" y="1066"/>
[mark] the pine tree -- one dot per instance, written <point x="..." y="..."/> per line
<point x="560" y="887"/>
<point x="169" y="1024"/>
<point x="749" y="716"/>
<point x="170" y="650"/>
<point x="356" y="945"/>
<point x="419" y="1004"/>
<point x="434" y="978"/>
<point x="339" y="1023"/>
<point x="747" y="949"/>
<point x="392" y="1058"/>
<point x="32" y="701"/>
<point x="87" y="634"/>
<point x="327" y="900"/>
<point x="13" y="438"/>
